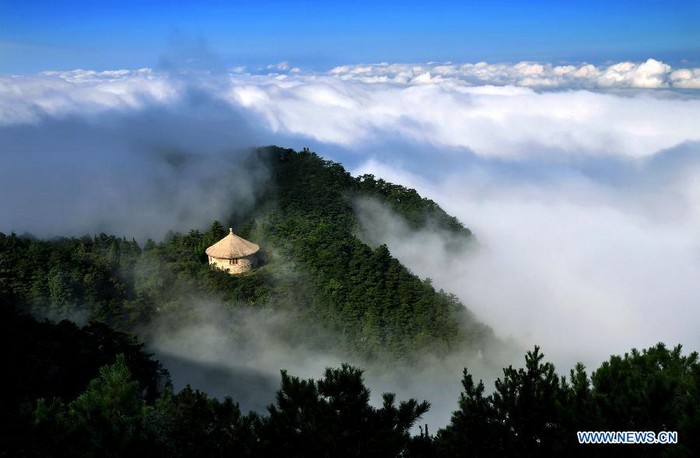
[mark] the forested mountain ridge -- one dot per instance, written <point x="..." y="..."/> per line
<point x="316" y="269"/>
<point x="92" y="391"/>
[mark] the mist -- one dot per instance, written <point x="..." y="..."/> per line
<point x="136" y="172"/>
<point x="239" y="352"/>
<point x="583" y="263"/>
<point x="579" y="182"/>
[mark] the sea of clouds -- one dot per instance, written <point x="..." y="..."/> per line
<point x="580" y="182"/>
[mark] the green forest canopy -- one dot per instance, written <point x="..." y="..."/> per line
<point x="90" y="391"/>
<point x="316" y="268"/>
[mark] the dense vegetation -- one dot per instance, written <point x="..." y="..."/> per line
<point x="92" y="391"/>
<point x="57" y="401"/>
<point x="60" y="402"/>
<point x="535" y="412"/>
<point x="317" y="270"/>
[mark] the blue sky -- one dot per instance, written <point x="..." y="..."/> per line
<point x="108" y="34"/>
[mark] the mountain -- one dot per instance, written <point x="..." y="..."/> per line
<point x="93" y="391"/>
<point x="337" y="291"/>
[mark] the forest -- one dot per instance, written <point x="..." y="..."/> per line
<point x="316" y="269"/>
<point x="93" y="390"/>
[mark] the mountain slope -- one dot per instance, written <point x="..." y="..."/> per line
<point x="336" y="291"/>
<point x="366" y="295"/>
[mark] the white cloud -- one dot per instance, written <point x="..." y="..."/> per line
<point x="81" y="92"/>
<point x="281" y="66"/>
<point x="484" y="108"/>
<point x="686" y="78"/>
<point x="579" y="181"/>
<point x="118" y="156"/>
<point x="651" y="74"/>
<point x="583" y="265"/>
<point x="500" y="121"/>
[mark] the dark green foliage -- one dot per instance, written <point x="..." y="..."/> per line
<point x="473" y="429"/>
<point x="111" y="419"/>
<point x="526" y="404"/>
<point x="653" y="390"/>
<point x="533" y="412"/>
<point x="519" y="419"/>
<point x="113" y="415"/>
<point x="65" y="276"/>
<point x="313" y="268"/>
<point x="105" y="420"/>
<point x="416" y="210"/>
<point x="191" y="424"/>
<point x="50" y="409"/>
<point x="332" y="417"/>
<point x="56" y="401"/>
<point x="376" y="307"/>
<point x="57" y="361"/>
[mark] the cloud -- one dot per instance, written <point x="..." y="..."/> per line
<point x="234" y="352"/>
<point x="26" y="99"/>
<point x="651" y="74"/>
<point x="281" y="66"/>
<point x="489" y="121"/>
<point x="580" y="181"/>
<point x="467" y="107"/>
<point x="240" y="351"/>
<point x="583" y="262"/>
<point x="136" y="172"/>
<point x="686" y="78"/>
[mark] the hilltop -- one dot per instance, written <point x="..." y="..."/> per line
<point x="316" y="269"/>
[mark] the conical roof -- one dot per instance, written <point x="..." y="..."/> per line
<point x="232" y="247"/>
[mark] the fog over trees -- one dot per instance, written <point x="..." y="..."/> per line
<point x="321" y="291"/>
<point x="477" y="237"/>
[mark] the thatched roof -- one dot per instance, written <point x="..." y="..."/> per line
<point x="232" y="247"/>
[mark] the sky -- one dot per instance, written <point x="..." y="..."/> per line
<point x="565" y="135"/>
<point x="110" y="34"/>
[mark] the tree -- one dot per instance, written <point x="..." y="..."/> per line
<point x="473" y="429"/>
<point x="656" y="389"/>
<point x="521" y="418"/>
<point x="526" y="403"/>
<point x="103" y="421"/>
<point x="333" y="417"/>
<point x="191" y="424"/>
